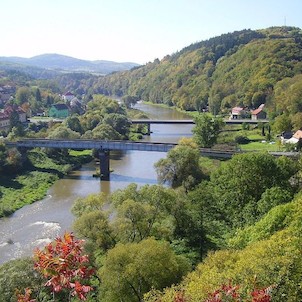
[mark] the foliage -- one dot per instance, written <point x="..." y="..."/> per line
<point x="180" y="167"/>
<point x="65" y="268"/>
<point x="240" y="68"/>
<point x="239" y="184"/>
<point x="130" y="270"/>
<point x="17" y="275"/>
<point x="264" y="255"/>
<point x="33" y="179"/>
<point x="206" y="130"/>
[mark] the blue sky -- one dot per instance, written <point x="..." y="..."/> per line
<point x="130" y="30"/>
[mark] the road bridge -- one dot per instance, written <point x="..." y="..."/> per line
<point x="191" y="122"/>
<point x="102" y="146"/>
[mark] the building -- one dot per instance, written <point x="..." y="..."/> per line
<point x="59" y="111"/>
<point x="258" y="114"/>
<point x="295" y="138"/>
<point x="8" y="110"/>
<point x="68" y="96"/>
<point x="237" y="113"/>
<point x="4" y="121"/>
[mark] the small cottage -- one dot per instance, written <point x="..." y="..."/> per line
<point x="237" y="113"/>
<point x="295" y="138"/>
<point x="68" y="96"/>
<point x="59" y="111"/>
<point x="258" y="114"/>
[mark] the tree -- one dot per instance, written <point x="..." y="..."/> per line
<point x="38" y="97"/>
<point x="282" y="123"/>
<point x="180" y="167"/>
<point x="74" y="124"/>
<point x="239" y="183"/>
<point x="22" y="95"/>
<point x="118" y="122"/>
<point x="130" y="100"/>
<point x="61" y="262"/>
<point x="16" y="275"/>
<point x="130" y="270"/>
<point x="206" y="130"/>
<point x="63" y="132"/>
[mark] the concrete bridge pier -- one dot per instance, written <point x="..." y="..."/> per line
<point x="104" y="164"/>
<point x="149" y="129"/>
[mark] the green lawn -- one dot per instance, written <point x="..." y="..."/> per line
<point x="259" y="146"/>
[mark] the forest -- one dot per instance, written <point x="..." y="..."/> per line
<point x="218" y="228"/>
<point x="244" y="68"/>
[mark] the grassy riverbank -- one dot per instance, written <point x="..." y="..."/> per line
<point x="38" y="175"/>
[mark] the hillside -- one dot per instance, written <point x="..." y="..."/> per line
<point x="65" y="63"/>
<point x="239" y="68"/>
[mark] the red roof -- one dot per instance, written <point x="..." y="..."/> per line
<point x="237" y="109"/>
<point x="256" y="111"/>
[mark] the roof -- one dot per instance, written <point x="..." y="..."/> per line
<point x="9" y="109"/>
<point x="237" y="109"/>
<point x="298" y="134"/>
<point x="60" y="106"/>
<point x="68" y="93"/>
<point x="256" y="111"/>
<point x="3" y="116"/>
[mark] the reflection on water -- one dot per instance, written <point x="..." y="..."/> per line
<point x="37" y="224"/>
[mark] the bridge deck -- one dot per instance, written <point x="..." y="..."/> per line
<point x="190" y="121"/>
<point x="92" y="144"/>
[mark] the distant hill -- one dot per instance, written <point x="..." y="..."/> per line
<point x="243" y="68"/>
<point x="65" y="63"/>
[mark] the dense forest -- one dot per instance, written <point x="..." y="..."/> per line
<point x="245" y="68"/>
<point x="233" y="235"/>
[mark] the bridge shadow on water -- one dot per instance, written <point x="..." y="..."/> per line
<point x="113" y="178"/>
<point x="130" y="179"/>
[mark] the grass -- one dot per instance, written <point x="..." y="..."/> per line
<point x="259" y="146"/>
<point x="32" y="183"/>
<point x="23" y="189"/>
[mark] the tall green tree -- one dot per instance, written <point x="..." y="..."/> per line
<point x="239" y="183"/>
<point x="206" y="130"/>
<point x="180" y="167"/>
<point x="130" y="270"/>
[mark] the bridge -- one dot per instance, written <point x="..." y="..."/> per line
<point x="191" y="122"/>
<point x="102" y="146"/>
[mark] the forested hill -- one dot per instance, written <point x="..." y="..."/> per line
<point x="56" y="62"/>
<point x="245" y="67"/>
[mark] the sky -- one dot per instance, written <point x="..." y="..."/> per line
<point x="130" y="30"/>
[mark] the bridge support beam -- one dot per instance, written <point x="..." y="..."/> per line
<point x="104" y="164"/>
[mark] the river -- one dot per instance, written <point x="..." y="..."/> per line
<point x="39" y="223"/>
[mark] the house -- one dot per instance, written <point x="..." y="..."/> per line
<point x="8" y="110"/>
<point x="285" y="136"/>
<point x="59" y="111"/>
<point x="68" y="96"/>
<point x="237" y="113"/>
<point x="258" y="114"/>
<point x="4" y="121"/>
<point x="295" y="138"/>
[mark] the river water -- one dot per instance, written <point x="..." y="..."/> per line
<point x="39" y="223"/>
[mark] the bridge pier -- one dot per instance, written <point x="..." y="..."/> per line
<point x="104" y="164"/>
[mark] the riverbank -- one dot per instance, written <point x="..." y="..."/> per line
<point x="38" y="174"/>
